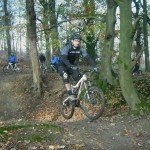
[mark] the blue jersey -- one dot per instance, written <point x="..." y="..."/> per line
<point x="12" y="59"/>
<point x="55" y="60"/>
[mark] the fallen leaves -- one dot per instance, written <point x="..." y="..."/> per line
<point x="56" y="147"/>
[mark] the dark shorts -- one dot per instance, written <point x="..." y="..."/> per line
<point x="67" y="72"/>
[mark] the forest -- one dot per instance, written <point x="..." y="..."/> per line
<point x="115" y="33"/>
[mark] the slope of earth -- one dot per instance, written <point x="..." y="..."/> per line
<point x="20" y="106"/>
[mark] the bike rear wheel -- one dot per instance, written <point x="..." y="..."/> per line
<point x="67" y="108"/>
<point x="140" y="72"/>
<point x="93" y="103"/>
<point x="6" y="69"/>
<point x="51" y="69"/>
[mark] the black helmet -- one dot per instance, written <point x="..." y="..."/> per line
<point x="76" y="36"/>
<point x="12" y="53"/>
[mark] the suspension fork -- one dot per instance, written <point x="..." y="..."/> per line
<point x="86" y="90"/>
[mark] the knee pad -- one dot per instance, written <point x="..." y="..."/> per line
<point x="65" y="77"/>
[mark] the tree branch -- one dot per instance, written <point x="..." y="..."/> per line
<point x="136" y="24"/>
<point x="138" y="56"/>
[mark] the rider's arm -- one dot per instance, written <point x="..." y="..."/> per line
<point x="54" y="60"/>
<point x="86" y="56"/>
<point x="64" y="56"/>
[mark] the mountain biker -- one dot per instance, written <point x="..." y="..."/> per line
<point x="55" y="61"/>
<point x="42" y="59"/>
<point x="136" y="68"/>
<point x="12" y="59"/>
<point x="68" y="55"/>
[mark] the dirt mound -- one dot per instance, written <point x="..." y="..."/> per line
<point x="18" y="100"/>
<point x="20" y="104"/>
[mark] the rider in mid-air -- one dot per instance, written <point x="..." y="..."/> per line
<point x="68" y="55"/>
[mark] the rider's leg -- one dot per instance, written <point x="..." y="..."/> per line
<point x="65" y="76"/>
<point x="76" y="75"/>
<point x="13" y="65"/>
<point x="68" y="88"/>
<point x="44" y="65"/>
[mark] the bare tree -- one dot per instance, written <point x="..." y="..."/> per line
<point x="145" y="34"/>
<point x="49" y="24"/>
<point x="89" y="13"/>
<point x="33" y="46"/>
<point x="7" y="27"/>
<point x="126" y="39"/>
<point x="106" y="74"/>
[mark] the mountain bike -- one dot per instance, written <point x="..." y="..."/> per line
<point x="136" y="73"/>
<point x="48" y="68"/>
<point x="10" y="67"/>
<point x="90" y="99"/>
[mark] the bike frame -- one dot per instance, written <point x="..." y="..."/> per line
<point x="79" y="85"/>
<point x="11" y="66"/>
<point x="53" y="67"/>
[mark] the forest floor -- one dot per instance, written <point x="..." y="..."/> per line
<point x="28" y="122"/>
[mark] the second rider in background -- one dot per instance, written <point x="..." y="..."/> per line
<point x="55" y="61"/>
<point x="42" y="60"/>
<point x="12" y="59"/>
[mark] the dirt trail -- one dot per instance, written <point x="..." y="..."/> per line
<point x="122" y="131"/>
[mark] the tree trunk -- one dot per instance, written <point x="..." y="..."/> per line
<point x="89" y="6"/>
<point x="126" y="38"/>
<point x="145" y="34"/>
<point x="33" y="47"/>
<point x="7" y="26"/>
<point x="27" y="44"/>
<point x="53" y="24"/>
<point x="109" y="43"/>
<point x="46" y="27"/>
<point x="49" y="24"/>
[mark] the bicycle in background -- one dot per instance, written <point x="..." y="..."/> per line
<point x="89" y="97"/>
<point x="10" y="67"/>
<point x="48" y="68"/>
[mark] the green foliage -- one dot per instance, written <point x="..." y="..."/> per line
<point x="113" y="95"/>
<point x="142" y="109"/>
<point x="142" y="84"/>
<point x="96" y="78"/>
<point x="115" y="99"/>
<point x="34" y="132"/>
<point x="13" y="127"/>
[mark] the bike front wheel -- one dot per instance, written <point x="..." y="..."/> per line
<point x="6" y="69"/>
<point x="66" y="108"/>
<point x="93" y="103"/>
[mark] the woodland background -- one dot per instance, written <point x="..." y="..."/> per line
<point x="114" y="33"/>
